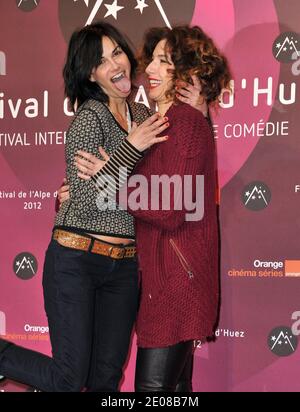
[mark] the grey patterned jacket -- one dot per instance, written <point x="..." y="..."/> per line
<point x="94" y="126"/>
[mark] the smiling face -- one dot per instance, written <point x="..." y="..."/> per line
<point x="113" y="72"/>
<point x="159" y="72"/>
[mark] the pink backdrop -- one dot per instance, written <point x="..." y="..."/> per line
<point x="257" y="136"/>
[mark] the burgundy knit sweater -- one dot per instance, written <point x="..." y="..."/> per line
<point x="178" y="258"/>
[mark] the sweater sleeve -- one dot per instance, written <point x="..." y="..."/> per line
<point x="189" y="136"/>
<point x="120" y="165"/>
<point x="117" y="169"/>
<point x="85" y="133"/>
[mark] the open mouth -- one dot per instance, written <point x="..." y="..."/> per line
<point x="118" y="77"/>
<point x="154" y="83"/>
<point x="122" y="83"/>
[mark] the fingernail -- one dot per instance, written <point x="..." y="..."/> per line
<point x="166" y="118"/>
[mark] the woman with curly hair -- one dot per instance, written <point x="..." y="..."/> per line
<point x="178" y="251"/>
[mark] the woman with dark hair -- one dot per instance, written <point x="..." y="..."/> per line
<point x="90" y="278"/>
<point x="177" y="250"/>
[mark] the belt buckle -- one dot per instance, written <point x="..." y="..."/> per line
<point x="121" y="252"/>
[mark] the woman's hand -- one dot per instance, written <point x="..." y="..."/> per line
<point x="191" y="94"/>
<point x="88" y="164"/>
<point x="141" y="137"/>
<point x="145" y="135"/>
<point x="63" y="192"/>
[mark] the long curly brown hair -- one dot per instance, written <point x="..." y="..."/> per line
<point x="192" y="53"/>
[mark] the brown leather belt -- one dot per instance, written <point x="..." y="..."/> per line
<point x="79" y="242"/>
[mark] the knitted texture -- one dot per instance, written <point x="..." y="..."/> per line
<point x="94" y="126"/>
<point x="178" y="258"/>
<point x="125" y="157"/>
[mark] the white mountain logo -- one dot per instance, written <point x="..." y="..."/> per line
<point x="256" y="193"/>
<point x="285" y="46"/>
<point x="288" y="44"/>
<point x="132" y="17"/>
<point x="282" y="342"/>
<point x="25" y="265"/>
<point x="114" y="8"/>
<point x="282" y="339"/>
<point x="256" y="196"/>
<point x="27" y="5"/>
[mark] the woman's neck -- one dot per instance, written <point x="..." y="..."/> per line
<point x="163" y="107"/>
<point x="119" y="110"/>
<point x="118" y="107"/>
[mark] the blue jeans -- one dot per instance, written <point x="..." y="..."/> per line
<point x="91" y="303"/>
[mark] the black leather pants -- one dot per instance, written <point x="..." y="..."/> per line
<point x="165" y="369"/>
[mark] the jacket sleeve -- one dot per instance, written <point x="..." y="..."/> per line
<point x="85" y="133"/>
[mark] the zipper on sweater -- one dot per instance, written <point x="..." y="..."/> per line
<point x="182" y="259"/>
